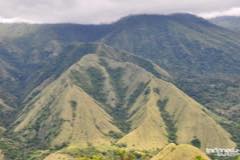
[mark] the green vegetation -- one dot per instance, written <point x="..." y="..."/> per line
<point x="33" y="133"/>
<point x="35" y="63"/>
<point x="136" y="93"/>
<point x="97" y="82"/>
<point x="220" y="96"/>
<point x="18" y="151"/>
<point x="196" y="142"/>
<point x="116" y="79"/>
<point x="120" y="118"/>
<point x="199" y="158"/>
<point x="103" y="120"/>
<point x="162" y="104"/>
<point x="95" y="87"/>
<point x="156" y="90"/>
<point x="74" y="107"/>
<point x="146" y="64"/>
<point x="147" y="91"/>
<point x="121" y="145"/>
<point x="168" y="120"/>
<point x="209" y="71"/>
<point x="37" y="125"/>
<point x="11" y="149"/>
<point x="119" y="112"/>
<point x="115" y="135"/>
<point x="92" y="153"/>
<point x="234" y="129"/>
<point x="37" y="154"/>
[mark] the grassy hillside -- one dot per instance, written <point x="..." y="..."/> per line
<point x="25" y="66"/>
<point x="203" y="59"/>
<point x="66" y="115"/>
<point x="103" y="99"/>
<point x="191" y="49"/>
<point x="61" y="88"/>
<point x="187" y="152"/>
<point x="169" y="152"/>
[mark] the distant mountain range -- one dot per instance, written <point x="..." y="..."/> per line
<point x="140" y="83"/>
<point x="230" y="22"/>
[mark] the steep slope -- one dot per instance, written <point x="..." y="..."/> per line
<point x="178" y="41"/>
<point x="229" y="22"/>
<point x="63" y="113"/>
<point x="52" y="102"/>
<point x="34" y="55"/>
<point x="106" y="98"/>
<point x="202" y="58"/>
<point x="191" y="49"/>
<point x="116" y="98"/>
<point x="26" y="63"/>
<point x="189" y="118"/>
<point x="182" y="151"/>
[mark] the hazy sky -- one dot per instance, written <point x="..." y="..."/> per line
<point x="102" y="11"/>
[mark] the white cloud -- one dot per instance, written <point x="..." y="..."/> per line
<point x="16" y="20"/>
<point x="101" y="11"/>
<point x="230" y="12"/>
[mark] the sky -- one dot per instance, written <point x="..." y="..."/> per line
<point x="106" y="11"/>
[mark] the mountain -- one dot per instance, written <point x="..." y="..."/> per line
<point x="173" y="151"/>
<point x="31" y="54"/>
<point x="109" y="98"/>
<point x="191" y="49"/>
<point x="23" y="70"/>
<point x="124" y="85"/>
<point x="229" y="22"/>
<point x="202" y="58"/>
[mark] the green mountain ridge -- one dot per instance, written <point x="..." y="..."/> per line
<point x="123" y="85"/>
<point x="100" y="101"/>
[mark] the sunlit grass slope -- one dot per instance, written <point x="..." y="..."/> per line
<point x="108" y="99"/>
<point x="182" y="151"/>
